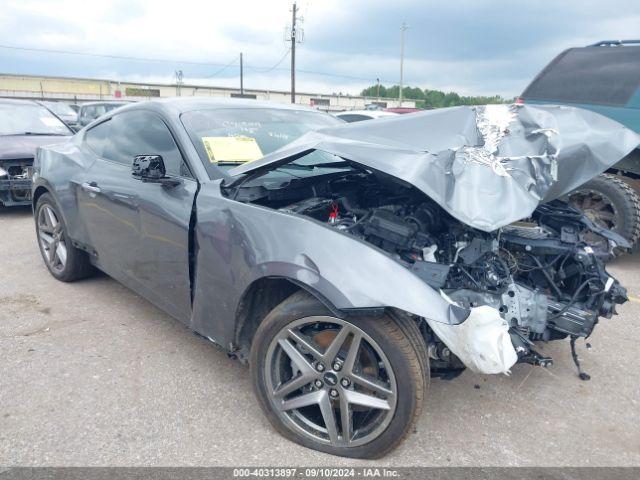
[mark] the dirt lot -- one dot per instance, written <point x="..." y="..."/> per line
<point x="92" y="374"/>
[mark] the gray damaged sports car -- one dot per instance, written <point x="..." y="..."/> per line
<point x="347" y="264"/>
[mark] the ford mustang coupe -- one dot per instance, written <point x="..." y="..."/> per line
<point x="346" y="263"/>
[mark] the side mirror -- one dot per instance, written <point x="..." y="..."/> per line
<point x="150" y="168"/>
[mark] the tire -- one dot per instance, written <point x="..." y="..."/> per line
<point x="611" y="203"/>
<point x="51" y="233"/>
<point x="390" y="346"/>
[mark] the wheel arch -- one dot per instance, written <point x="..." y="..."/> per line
<point x="40" y="190"/>
<point x="262" y="296"/>
<point x="37" y="193"/>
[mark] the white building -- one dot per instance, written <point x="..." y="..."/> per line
<point x="86" y="89"/>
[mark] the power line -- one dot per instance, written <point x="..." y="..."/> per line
<point x="270" y="69"/>
<point x="218" y="72"/>
<point x="186" y="62"/>
<point x="314" y="72"/>
<point x="103" y="55"/>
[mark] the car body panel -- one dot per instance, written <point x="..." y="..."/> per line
<point x="140" y="235"/>
<point x="239" y="243"/>
<point x="140" y="232"/>
<point x="486" y="166"/>
<point x="195" y="252"/>
<point x="627" y="116"/>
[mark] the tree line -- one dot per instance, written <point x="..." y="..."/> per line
<point x="431" y="98"/>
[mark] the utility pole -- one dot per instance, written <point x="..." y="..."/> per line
<point x="378" y="88"/>
<point x="403" y="28"/>
<point x="295" y="35"/>
<point x="294" y="11"/>
<point x="179" y="83"/>
<point x="241" y="77"/>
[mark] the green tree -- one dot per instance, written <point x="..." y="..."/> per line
<point x="432" y="98"/>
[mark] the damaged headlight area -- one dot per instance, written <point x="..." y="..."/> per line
<point x="531" y="281"/>
<point x="15" y="182"/>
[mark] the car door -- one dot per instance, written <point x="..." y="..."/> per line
<point x="140" y="230"/>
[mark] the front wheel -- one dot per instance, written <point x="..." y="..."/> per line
<point x="351" y="387"/>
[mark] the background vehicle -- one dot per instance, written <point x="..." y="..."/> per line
<point x="402" y="110"/>
<point x="91" y="110"/>
<point x="605" y="78"/>
<point x="64" y="112"/>
<point x="359" y="115"/>
<point x="24" y="126"/>
<point x="329" y="269"/>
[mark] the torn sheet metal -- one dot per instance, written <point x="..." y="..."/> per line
<point x="482" y="342"/>
<point x="488" y="166"/>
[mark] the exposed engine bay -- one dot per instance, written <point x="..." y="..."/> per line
<point x="15" y="182"/>
<point x="546" y="282"/>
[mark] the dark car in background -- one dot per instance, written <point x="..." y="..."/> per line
<point x="90" y="111"/>
<point x="24" y="126"/>
<point x="605" y="78"/>
<point x="64" y="112"/>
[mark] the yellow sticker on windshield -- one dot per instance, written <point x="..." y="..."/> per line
<point x="232" y="149"/>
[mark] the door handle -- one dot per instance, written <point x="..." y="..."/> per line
<point x="91" y="187"/>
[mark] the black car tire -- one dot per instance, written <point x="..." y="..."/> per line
<point x="399" y="338"/>
<point x="77" y="265"/>
<point x="621" y="196"/>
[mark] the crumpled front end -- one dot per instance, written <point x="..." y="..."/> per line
<point x="466" y="200"/>
<point x="15" y="182"/>
<point x="530" y="282"/>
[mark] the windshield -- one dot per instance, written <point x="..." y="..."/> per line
<point x="29" y="119"/>
<point x="227" y="137"/>
<point x="60" y="108"/>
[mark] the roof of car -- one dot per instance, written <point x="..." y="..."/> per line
<point x="185" y="104"/>
<point x="106" y="102"/>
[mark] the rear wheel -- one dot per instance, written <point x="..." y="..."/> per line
<point x="64" y="261"/>
<point x="610" y="203"/>
<point x="352" y="387"/>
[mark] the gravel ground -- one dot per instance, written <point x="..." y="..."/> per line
<point x="92" y="374"/>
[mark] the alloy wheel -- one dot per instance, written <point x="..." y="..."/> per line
<point x="329" y="380"/>
<point x="52" y="239"/>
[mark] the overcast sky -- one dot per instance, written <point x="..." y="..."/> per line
<point x="470" y="46"/>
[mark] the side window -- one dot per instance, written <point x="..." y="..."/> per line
<point x="98" y="111"/>
<point x="142" y="133"/>
<point x="96" y="137"/>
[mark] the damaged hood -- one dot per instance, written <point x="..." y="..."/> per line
<point x="488" y="166"/>
<point x="19" y="147"/>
